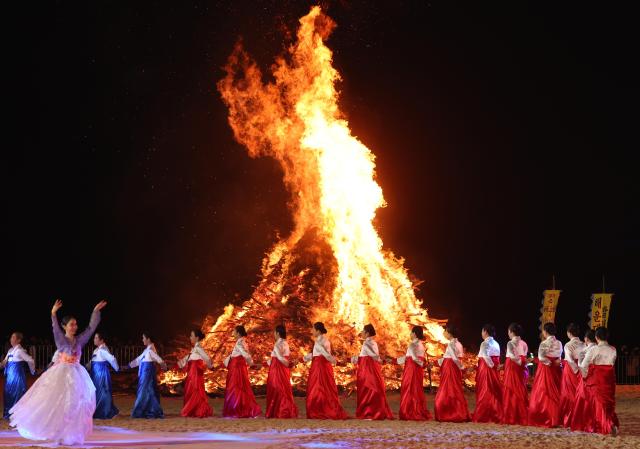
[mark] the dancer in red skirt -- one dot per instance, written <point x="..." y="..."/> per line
<point x="371" y="392"/>
<point x="196" y="402"/>
<point x="450" y="403"/>
<point x="413" y="402"/>
<point x="279" y="394"/>
<point x="544" y="402"/>
<point x="582" y="411"/>
<point x="322" y="392"/>
<point x="599" y="382"/>
<point x="488" y="385"/>
<point x="570" y="373"/>
<point x="514" y="390"/>
<point x="239" y="401"/>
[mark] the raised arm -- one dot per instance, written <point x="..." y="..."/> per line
<point x="84" y="337"/>
<point x="58" y="335"/>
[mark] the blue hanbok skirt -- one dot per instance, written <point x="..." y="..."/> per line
<point x="147" y="403"/>
<point x="15" y="384"/>
<point x="101" y="377"/>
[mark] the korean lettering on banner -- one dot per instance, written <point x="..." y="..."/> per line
<point x="549" y="306"/>
<point x="600" y="309"/>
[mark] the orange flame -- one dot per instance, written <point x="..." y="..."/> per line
<point x="333" y="267"/>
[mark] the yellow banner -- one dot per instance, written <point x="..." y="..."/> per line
<point x="549" y="306"/>
<point x="600" y="308"/>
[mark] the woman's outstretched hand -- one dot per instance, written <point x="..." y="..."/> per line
<point x="56" y="306"/>
<point x="101" y="305"/>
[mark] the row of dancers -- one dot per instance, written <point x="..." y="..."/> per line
<point x="578" y="392"/>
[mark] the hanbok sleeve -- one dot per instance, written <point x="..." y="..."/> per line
<point x="281" y="352"/>
<point x="484" y="355"/>
<point x="512" y="353"/>
<point x="205" y="357"/>
<point x="543" y="350"/>
<point x="244" y="351"/>
<point x="588" y="360"/>
<point x="183" y="361"/>
<point x="84" y="337"/>
<point x="324" y="348"/>
<point x="136" y="362"/>
<point x="111" y="359"/>
<point x="570" y="356"/>
<point x="58" y="335"/>
<point x="27" y="358"/>
<point x="370" y="349"/>
<point x="155" y="357"/>
<point x="411" y="352"/>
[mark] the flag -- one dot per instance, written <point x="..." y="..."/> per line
<point x="549" y="306"/>
<point x="600" y="308"/>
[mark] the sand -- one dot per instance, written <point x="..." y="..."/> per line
<point x="180" y="433"/>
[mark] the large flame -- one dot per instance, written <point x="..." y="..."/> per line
<point x="333" y="267"/>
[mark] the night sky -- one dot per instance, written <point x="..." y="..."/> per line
<point x="503" y="134"/>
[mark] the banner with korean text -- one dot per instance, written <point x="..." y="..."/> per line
<point x="600" y="308"/>
<point x="549" y="306"/>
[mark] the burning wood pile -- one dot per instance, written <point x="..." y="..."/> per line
<point x="332" y="268"/>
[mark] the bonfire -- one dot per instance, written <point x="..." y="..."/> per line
<point x="332" y="267"/>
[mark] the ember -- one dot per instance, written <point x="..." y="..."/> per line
<point x="333" y="267"/>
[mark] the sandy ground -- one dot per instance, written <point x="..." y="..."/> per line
<point x="180" y="433"/>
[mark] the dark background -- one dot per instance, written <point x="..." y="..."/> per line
<point x="503" y="134"/>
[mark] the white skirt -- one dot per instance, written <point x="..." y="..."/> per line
<point x="58" y="407"/>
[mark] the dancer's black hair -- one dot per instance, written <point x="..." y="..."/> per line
<point x="281" y="331"/>
<point x="516" y="329"/>
<point x="573" y="329"/>
<point x="602" y="333"/>
<point x="198" y="334"/>
<point x="489" y="329"/>
<point x="369" y="329"/>
<point x="319" y="326"/>
<point x="549" y="328"/>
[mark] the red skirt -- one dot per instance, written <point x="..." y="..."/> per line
<point x="570" y="382"/>
<point x="413" y="402"/>
<point x="514" y="393"/>
<point x="488" y="393"/>
<point x="601" y="384"/>
<point x="581" y="418"/>
<point x="279" y="394"/>
<point x="322" y="392"/>
<point x="371" y="392"/>
<point x="450" y="404"/>
<point x="544" y="402"/>
<point x="196" y="402"/>
<point x="239" y="401"/>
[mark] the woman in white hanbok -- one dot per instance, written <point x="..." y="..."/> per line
<point x="59" y="406"/>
